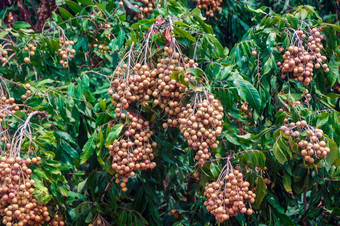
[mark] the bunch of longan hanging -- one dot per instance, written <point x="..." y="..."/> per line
<point x="201" y="123"/>
<point x="134" y="86"/>
<point x="17" y="204"/>
<point x="228" y="195"/>
<point x="304" y="55"/>
<point x="45" y="10"/>
<point x="132" y="151"/>
<point x="7" y="106"/>
<point x="245" y="108"/>
<point x="169" y="92"/>
<point x="3" y="54"/>
<point x="147" y="9"/>
<point x="66" y="52"/>
<point x="210" y="6"/>
<point x="313" y="144"/>
<point x="58" y="220"/>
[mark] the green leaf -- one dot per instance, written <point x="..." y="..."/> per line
<point x="88" y="148"/>
<point x="74" y="6"/>
<point x="254" y="10"/>
<point x="248" y="92"/>
<point x="333" y="73"/>
<point x="333" y="155"/>
<point x="216" y="45"/>
<point x="132" y="7"/>
<point x="182" y="33"/>
<point x="65" y="136"/>
<point x="113" y="135"/>
<point x="287" y="183"/>
<point x="20" y="25"/>
<point x="293" y="21"/>
<point x="206" y="28"/>
<point x="214" y="170"/>
<point x="260" y="192"/>
<point x="100" y="144"/>
<point x="64" y="13"/>
<point x="279" y="153"/>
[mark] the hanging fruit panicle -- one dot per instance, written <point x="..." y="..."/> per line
<point x="310" y="139"/>
<point x="17" y="203"/>
<point x="132" y="151"/>
<point x="210" y="6"/>
<point x="229" y="194"/>
<point x="66" y="53"/>
<point x="304" y="55"/>
<point x="201" y="123"/>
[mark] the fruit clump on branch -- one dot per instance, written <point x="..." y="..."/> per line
<point x="201" y="123"/>
<point x="17" y="203"/>
<point x="229" y="194"/>
<point x="66" y="53"/>
<point x="210" y="6"/>
<point x="133" y="150"/>
<point x="311" y="139"/>
<point x="139" y="82"/>
<point x="303" y="55"/>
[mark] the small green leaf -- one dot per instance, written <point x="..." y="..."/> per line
<point x="260" y="192"/>
<point x="182" y="33"/>
<point x="333" y="73"/>
<point x="74" y="6"/>
<point x="287" y="183"/>
<point x="88" y="148"/>
<point x="20" y="25"/>
<point x="64" y="13"/>
<point x="113" y="135"/>
<point x="279" y="153"/>
<point x="214" y="170"/>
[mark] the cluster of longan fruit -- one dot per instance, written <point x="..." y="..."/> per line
<point x="145" y="10"/>
<point x="134" y="87"/>
<point x="7" y="106"/>
<point x="201" y="125"/>
<point x="313" y="145"/>
<point x="226" y="197"/>
<point x="245" y="108"/>
<point x="17" y="204"/>
<point x="133" y="151"/>
<point x="45" y="10"/>
<point x="177" y="214"/>
<point x="58" y="220"/>
<point x="66" y="52"/>
<point x="31" y="52"/>
<point x="302" y="58"/>
<point x="101" y="47"/>
<point x="210" y="6"/>
<point x="28" y="92"/>
<point x="144" y="84"/>
<point x="3" y="54"/>
<point x="169" y="92"/>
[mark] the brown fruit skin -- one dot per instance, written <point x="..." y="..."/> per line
<point x="253" y="53"/>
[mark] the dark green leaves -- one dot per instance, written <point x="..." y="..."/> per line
<point x="260" y="192"/>
<point x="20" y="25"/>
<point x="88" y="148"/>
<point x="279" y="152"/>
<point x="114" y="133"/>
<point x="333" y="74"/>
<point x="248" y="92"/>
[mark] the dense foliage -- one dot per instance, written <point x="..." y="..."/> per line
<point x="169" y="112"/>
